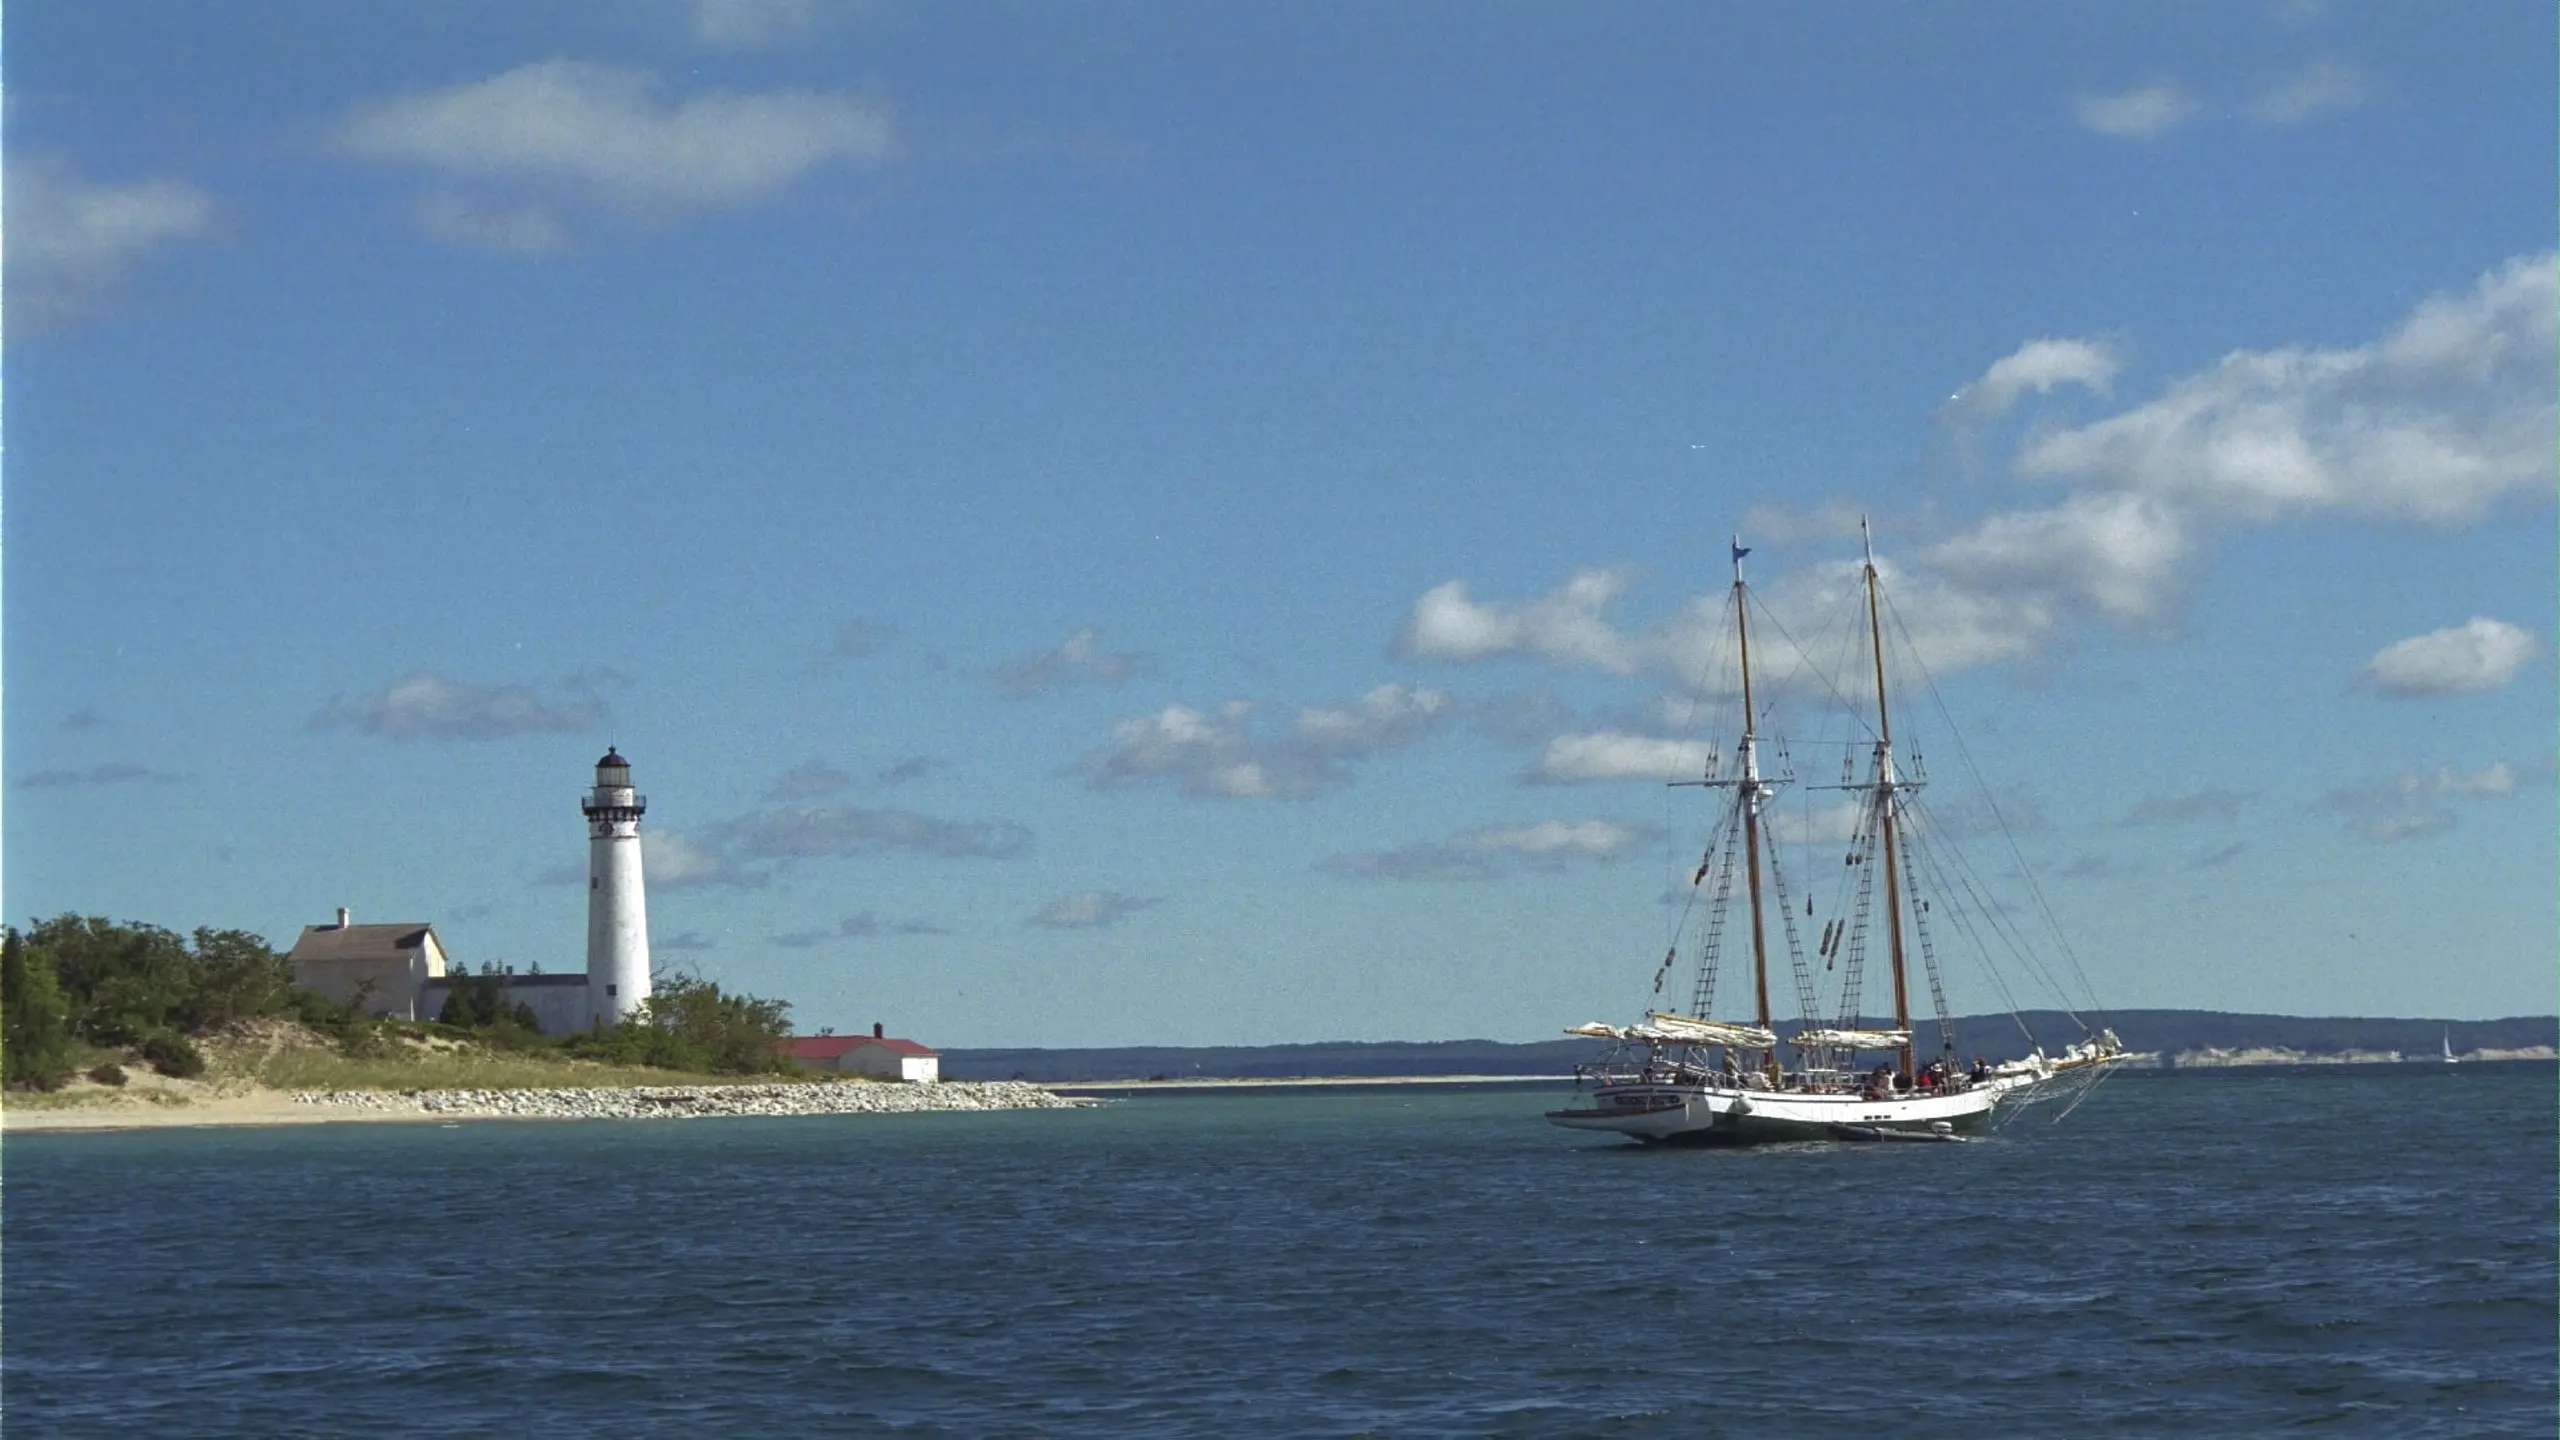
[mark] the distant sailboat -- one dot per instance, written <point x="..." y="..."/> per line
<point x="2448" y="1047"/>
<point x="1682" y="1078"/>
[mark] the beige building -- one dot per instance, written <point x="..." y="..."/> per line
<point x="389" y="965"/>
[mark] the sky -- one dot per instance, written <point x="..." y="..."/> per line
<point x="1146" y="523"/>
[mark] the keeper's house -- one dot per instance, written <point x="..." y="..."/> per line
<point x="388" y="965"/>
<point x="882" y="1057"/>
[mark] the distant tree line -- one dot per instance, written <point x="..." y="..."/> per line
<point x="78" y="984"/>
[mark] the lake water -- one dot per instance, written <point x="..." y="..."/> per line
<point x="2352" y="1253"/>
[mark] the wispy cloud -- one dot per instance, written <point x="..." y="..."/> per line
<point x="84" y="718"/>
<point x="857" y="638"/>
<point x="809" y="780"/>
<point x="1494" y="850"/>
<point x="1078" y="660"/>
<point x="425" y="706"/>
<point x="514" y="154"/>
<point x="71" y="239"/>
<point x="684" y="942"/>
<point x="1088" y="910"/>
<point x="809" y="831"/>
<point x="2209" y="804"/>
<point x="113" y="772"/>
<point x="1224" y="756"/>
<point x="671" y="860"/>
<point x="903" y="770"/>
<point x="2413" y="804"/>
<point x="851" y="927"/>
<point x="2322" y="88"/>
<point x="2092" y="866"/>
<point x="2218" y="857"/>
<point x="763" y="24"/>
<point x="2139" y="113"/>
<point x="2479" y="654"/>
<point x="2038" y="367"/>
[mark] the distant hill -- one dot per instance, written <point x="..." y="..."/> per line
<point x="2184" y="1037"/>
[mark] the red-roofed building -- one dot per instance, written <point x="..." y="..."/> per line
<point x="880" y="1056"/>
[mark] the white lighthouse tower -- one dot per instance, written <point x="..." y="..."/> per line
<point x="617" y="908"/>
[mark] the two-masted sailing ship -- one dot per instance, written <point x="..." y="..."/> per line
<point x="1682" y="1077"/>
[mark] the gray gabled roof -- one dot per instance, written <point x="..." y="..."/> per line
<point x="360" y="942"/>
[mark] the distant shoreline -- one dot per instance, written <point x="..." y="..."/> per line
<point x="2146" y="1067"/>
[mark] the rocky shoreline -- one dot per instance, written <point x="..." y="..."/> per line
<point x="678" y="1102"/>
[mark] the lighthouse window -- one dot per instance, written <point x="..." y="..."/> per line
<point x="594" y="882"/>
<point x="612" y="990"/>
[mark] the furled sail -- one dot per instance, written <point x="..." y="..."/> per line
<point x="1689" y="1029"/>
<point x="1853" y="1039"/>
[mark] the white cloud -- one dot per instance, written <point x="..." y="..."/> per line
<point x="2479" y="654"/>
<point x="2115" y="554"/>
<point x="1489" y="851"/>
<point x="424" y="706"/>
<point x="2496" y="778"/>
<point x="2041" y="366"/>
<point x="567" y="132"/>
<point x="1078" y="660"/>
<point x="2139" y="113"/>
<point x="2322" y="88"/>
<point x="1615" y="755"/>
<point x="1223" y="755"/>
<point x="672" y="860"/>
<point x="2439" y="420"/>
<point x="1564" y="625"/>
<point x="69" y="239"/>
<point x="1087" y="910"/>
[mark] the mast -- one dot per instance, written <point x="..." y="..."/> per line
<point x="1751" y="792"/>
<point x="1886" y="784"/>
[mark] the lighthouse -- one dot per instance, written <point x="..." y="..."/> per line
<point x="617" y="908"/>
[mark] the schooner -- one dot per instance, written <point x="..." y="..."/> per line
<point x="1680" y="1077"/>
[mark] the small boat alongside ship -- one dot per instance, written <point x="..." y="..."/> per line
<point x="1678" y="1077"/>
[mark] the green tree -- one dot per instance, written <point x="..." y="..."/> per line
<point x="122" y="981"/>
<point x="238" y="976"/>
<point x="692" y="1024"/>
<point x="735" y="1034"/>
<point x="37" y="1032"/>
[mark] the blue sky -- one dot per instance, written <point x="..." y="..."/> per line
<point x="1148" y="523"/>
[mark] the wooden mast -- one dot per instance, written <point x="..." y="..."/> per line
<point x="1886" y="784"/>
<point x="1751" y="792"/>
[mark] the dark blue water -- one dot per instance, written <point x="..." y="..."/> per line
<point x="2343" y="1255"/>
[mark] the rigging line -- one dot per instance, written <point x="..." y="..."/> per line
<point x="2062" y="939"/>
<point x="1960" y="879"/>
<point x="1805" y="662"/>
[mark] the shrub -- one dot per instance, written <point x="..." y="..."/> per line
<point x="172" y="1054"/>
<point x="37" y="1034"/>
<point x="108" y="1074"/>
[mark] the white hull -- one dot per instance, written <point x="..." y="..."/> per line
<point x="1717" y="1115"/>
